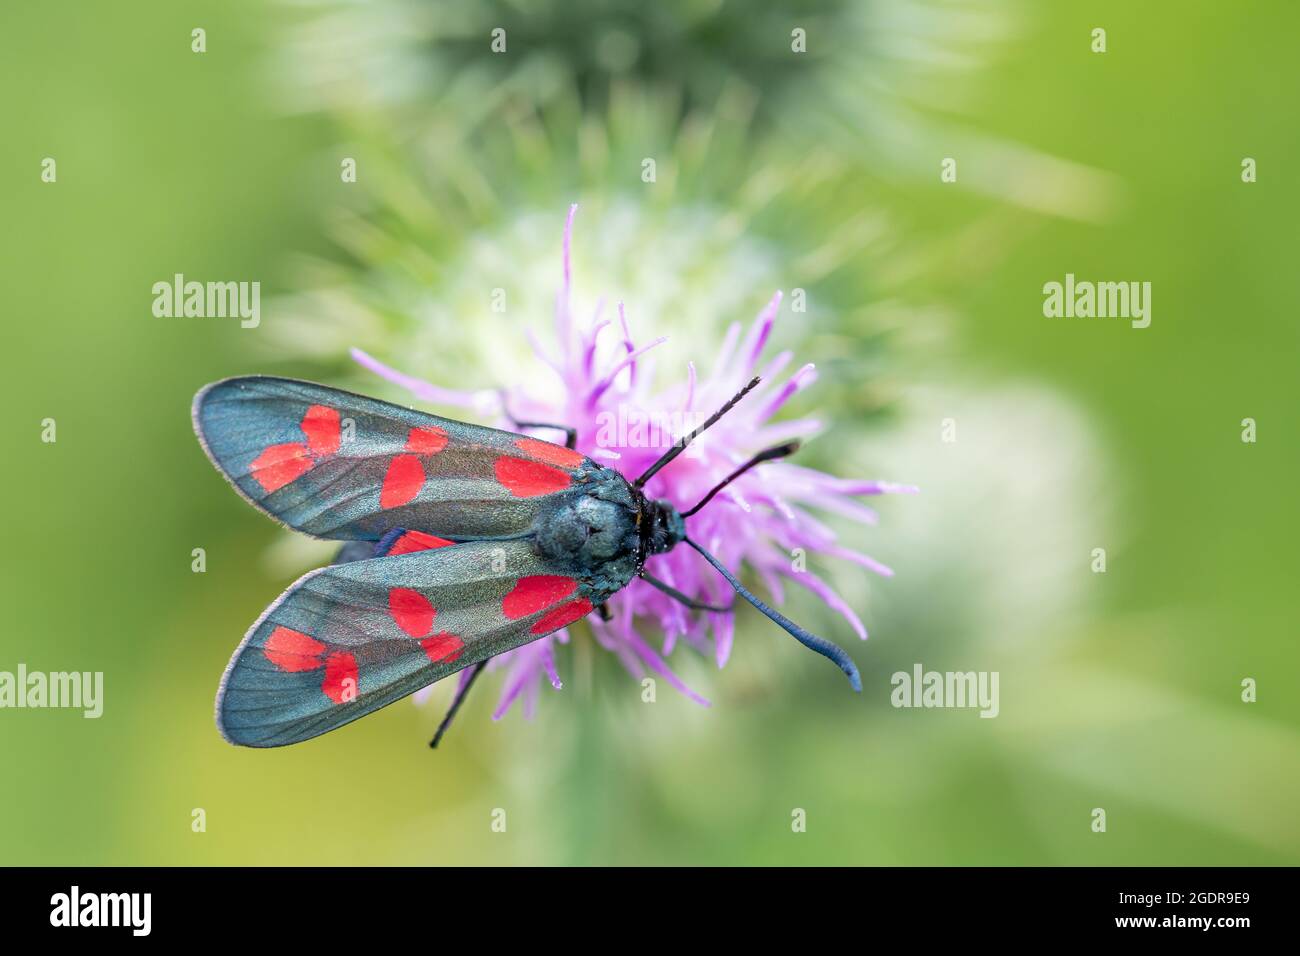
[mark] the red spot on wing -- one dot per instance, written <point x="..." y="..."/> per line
<point x="442" y="648"/>
<point x="536" y="592"/>
<point x="411" y="611"/>
<point x="321" y="426"/>
<point x="413" y="541"/>
<point x="426" y="441"/>
<point x="292" y="650"/>
<point x="402" y="482"/>
<point x="527" y="479"/>
<point x="562" y="616"/>
<point x="551" y="454"/>
<point x="340" y="683"/>
<point x="281" y="464"/>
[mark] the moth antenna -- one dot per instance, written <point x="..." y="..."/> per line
<point x="811" y="641"/>
<point x="680" y="445"/>
<point x="779" y="451"/>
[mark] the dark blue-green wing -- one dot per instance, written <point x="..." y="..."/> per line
<point x="345" y="640"/>
<point x="338" y="465"/>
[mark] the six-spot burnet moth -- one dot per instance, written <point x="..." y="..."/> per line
<point x="463" y="542"/>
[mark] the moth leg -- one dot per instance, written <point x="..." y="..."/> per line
<point x="459" y="699"/>
<point x="570" y="433"/>
<point x="677" y="595"/>
<point x="603" y="610"/>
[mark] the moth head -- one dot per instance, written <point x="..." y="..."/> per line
<point x="665" y="527"/>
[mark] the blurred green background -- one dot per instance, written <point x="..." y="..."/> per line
<point x="1118" y="690"/>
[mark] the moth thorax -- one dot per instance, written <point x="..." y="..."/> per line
<point x="586" y="531"/>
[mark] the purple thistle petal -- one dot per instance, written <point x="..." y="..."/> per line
<point x="724" y="632"/>
<point x="627" y="344"/>
<point x="777" y="504"/>
<point x="603" y="385"/>
<point x="563" y="316"/>
<point x="728" y="346"/>
<point x="846" y="507"/>
<point x="554" y="364"/>
<point x="658" y="665"/>
<point x="809" y="531"/>
<point x="548" y="664"/>
<point x="733" y="493"/>
<point x="828" y="595"/>
<point x="463" y="679"/>
<point x="530" y="700"/>
<point x="773" y="584"/>
<point x="674" y="618"/>
<point x="857" y="557"/>
<point x="615" y="636"/>
<point x="784" y="431"/>
<point x="425" y="391"/>
<point x="568" y="251"/>
<point x="757" y="338"/>
<point x="799" y="380"/>
<point x="514" y="685"/>
<point x="848" y="487"/>
<point x="775" y="367"/>
<point x="521" y="675"/>
<point x="589" y="353"/>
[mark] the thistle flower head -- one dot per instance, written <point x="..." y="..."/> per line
<point x="603" y="384"/>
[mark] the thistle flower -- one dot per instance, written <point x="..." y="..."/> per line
<point x="606" y="391"/>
